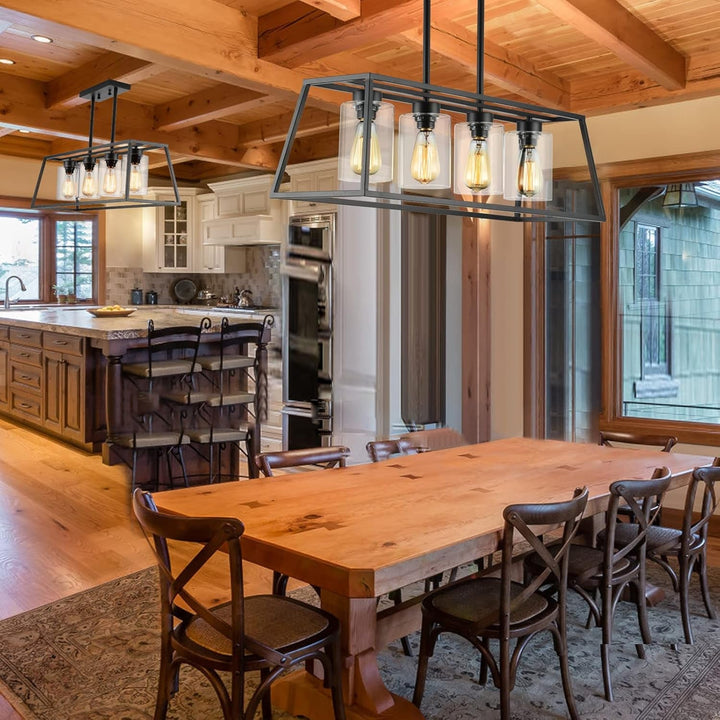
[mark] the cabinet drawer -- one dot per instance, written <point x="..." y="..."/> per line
<point x="25" y="405"/>
<point x="25" y="376"/>
<point x="25" y="336"/>
<point x="4" y="332"/>
<point x="26" y="355"/>
<point x="69" y="344"/>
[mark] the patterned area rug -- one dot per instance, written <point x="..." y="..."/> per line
<point x="95" y="655"/>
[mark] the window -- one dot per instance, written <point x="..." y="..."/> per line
<point x="661" y="290"/>
<point x="53" y="254"/>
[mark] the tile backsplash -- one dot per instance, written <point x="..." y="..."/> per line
<point x="261" y="277"/>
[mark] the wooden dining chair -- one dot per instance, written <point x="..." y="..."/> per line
<point x="611" y="439"/>
<point x="609" y="569"/>
<point x="484" y="608"/>
<point x="323" y="458"/>
<point x="264" y="633"/>
<point x="379" y="450"/>
<point x="435" y="439"/>
<point x="687" y="545"/>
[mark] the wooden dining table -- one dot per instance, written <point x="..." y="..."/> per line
<point x="362" y="531"/>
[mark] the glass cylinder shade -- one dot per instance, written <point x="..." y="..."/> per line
<point x="528" y="166"/>
<point x="89" y="176"/>
<point x="67" y="183"/>
<point x="352" y="140"/>
<point x="138" y="174"/>
<point x="478" y="163"/>
<point x="112" y="180"/>
<point x="424" y="156"/>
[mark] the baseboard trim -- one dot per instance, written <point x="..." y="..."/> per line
<point x="673" y="517"/>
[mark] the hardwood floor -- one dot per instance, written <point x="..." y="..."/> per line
<point x="66" y="525"/>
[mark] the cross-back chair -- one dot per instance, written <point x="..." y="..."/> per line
<point x="264" y="633"/>
<point x="484" y="608"/>
<point x="379" y="450"/>
<point x="608" y="570"/>
<point x="435" y="439"/>
<point x="687" y="545"/>
<point x="323" y="458"/>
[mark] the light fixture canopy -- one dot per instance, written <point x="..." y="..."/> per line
<point x="680" y="195"/>
<point x="104" y="176"/>
<point x="424" y="175"/>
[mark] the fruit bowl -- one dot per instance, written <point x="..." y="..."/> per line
<point x="110" y="312"/>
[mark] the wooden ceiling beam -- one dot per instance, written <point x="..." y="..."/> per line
<point x="25" y="147"/>
<point x="211" y="104"/>
<point x="294" y="34"/>
<point x="22" y="103"/>
<point x="64" y="90"/>
<point x="614" y="27"/>
<point x="340" y="9"/>
<point x="502" y="67"/>
<point x="630" y="90"/>
<point x="202" y="37"/>
<point x="275" y="129"/>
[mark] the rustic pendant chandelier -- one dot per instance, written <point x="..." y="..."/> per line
<point x="101" y="177"/>
<point x="502" y="157"/>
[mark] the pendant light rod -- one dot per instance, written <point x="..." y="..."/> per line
<point x="480" y="46"/>
<point x="114" y="115"/>
<point x="92" y="122"/>
<point x="426" y="41"/>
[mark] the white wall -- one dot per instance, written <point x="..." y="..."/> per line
<point x="19" y="175"/>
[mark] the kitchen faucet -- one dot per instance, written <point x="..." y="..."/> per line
<point x="7" y="284"/>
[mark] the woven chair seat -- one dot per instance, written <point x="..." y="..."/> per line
<point x="149" y="439"/>
<point x="209" y="434"/>
<point x="161" y="368"/>
<point x="583" y="559"/>
<point x="233" y="398"/>
<point x="187" y="397"/>
<point x="658" y="536"/>
<point x="478" y="601"/>
<point x="233" y="362"/>
<point x="278" y="622"/>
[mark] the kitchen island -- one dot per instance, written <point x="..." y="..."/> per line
<point x="61" y="367"/>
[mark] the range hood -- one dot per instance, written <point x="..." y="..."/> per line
<point x="242" y="231"/>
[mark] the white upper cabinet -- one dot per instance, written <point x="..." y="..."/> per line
<point x="244" y="214"/>
<point x="312" y="177"/>
<point x="172" y="247"/>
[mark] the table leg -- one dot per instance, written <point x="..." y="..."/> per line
<point x="366" y="695"/>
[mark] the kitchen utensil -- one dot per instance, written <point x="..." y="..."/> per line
<point x="151" y="297"/>
<point x="184" y="290"/>
<point x="136" y="296"/>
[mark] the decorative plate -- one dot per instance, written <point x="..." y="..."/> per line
<point x="102" y="312"/>
<point x="184" y="290"/>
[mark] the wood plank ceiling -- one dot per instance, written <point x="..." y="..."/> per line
<point x="217" y="79"/>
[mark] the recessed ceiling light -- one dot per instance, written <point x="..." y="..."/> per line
<point x="41" y="39"/>
<point x="6" y="61"/>
<point x="23" y="130"/>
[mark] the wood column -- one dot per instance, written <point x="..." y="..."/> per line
<point x="476" y="330"/>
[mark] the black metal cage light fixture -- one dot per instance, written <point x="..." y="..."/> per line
<point x="503" y="152"/>
<point x="104" y="176"/>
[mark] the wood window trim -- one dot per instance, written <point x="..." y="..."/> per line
<point x="677" y="168"/>
<point x="12" y="203"/>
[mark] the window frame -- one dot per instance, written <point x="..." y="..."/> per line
<point x="20" y="207"/>
<point x="653" y="171"/>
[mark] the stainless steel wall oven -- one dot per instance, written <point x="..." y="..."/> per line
<point x="307" y="284"/>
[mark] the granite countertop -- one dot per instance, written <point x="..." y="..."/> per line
<point x="78" y="321"/>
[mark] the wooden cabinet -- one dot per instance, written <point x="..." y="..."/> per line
<point x="64" y="386"/>
<point x="50" y="380"/>
<point x="243" y="197"/>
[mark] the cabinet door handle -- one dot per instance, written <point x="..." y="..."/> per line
<point x="24" y="377"/>
<point x="24" y="354"/>
<point x="61" y="342"/>
<point x="23" y="335"/>
<point x="27" y="406"/>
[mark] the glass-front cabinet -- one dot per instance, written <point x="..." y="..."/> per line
<point x="174" y="235"/>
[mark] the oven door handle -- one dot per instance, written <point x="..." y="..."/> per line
<point x="311" y="272"/>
